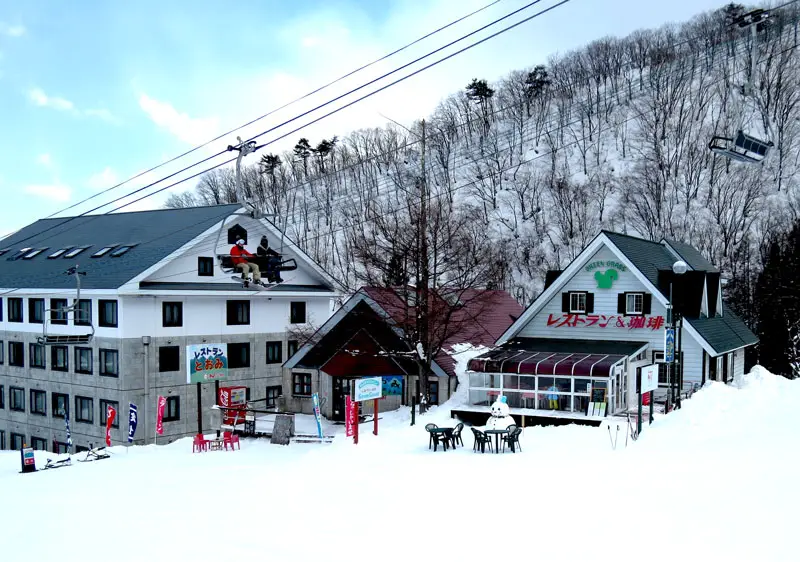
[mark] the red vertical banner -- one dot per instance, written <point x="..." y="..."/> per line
<point x="162" y="402"/>
<point x="111" y="413"/>
<point x="348" y="416"/>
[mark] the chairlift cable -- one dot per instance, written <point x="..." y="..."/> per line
<point x="542" y="12"/>
<point x="458" y="188"/>
<point x="284" y="106"/>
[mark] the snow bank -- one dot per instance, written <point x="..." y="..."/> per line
<point x="712" y="481"/>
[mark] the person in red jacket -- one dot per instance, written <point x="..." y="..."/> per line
<point x="239" y="258"/>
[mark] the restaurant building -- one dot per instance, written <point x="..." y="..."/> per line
<point x="601" y="319"/>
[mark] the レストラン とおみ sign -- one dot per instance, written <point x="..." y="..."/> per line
<point x="207" y="362"/>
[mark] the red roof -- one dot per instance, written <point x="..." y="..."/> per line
<point x="481" y="320"/>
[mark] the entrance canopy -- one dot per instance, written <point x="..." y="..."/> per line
<point x="541" y="356"/>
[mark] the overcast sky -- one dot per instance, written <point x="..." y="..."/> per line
<point x="94" y="92"/>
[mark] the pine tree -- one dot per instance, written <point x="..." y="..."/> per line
<point x="303" y="151"/>
<point x="479" y="92"/>
<point x="777" y="298"/>
<point x="536" y="84"/>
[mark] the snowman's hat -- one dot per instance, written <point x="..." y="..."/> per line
<point x="503" y="399"/>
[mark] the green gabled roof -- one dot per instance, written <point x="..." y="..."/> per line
<point x="692" y="256"/>
<point x="646" y="256"/>
<point x="724" y="333"/>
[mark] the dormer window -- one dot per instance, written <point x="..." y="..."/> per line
<point x="121" y="250"/>
<point x="58" y="253"/>
<point x="33" y="253"/>
<point x="235" y="232"/>
<point x="103" y="251"/>
<point x="75" y="251"/>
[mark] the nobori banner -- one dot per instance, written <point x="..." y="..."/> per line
<point x="207" y="362"/>
<point x="370" y="388"/>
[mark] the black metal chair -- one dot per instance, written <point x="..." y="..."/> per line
<point x="512" y="438"/>
<point x="481" y="439"/>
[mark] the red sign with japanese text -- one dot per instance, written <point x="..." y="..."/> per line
<point x="111" y="413"/>
<point x="349" y="415"/>
<point x="162" y="402"/>
<point x="605" y="321"/>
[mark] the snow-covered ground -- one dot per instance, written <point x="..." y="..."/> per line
<point x="716" y="480"/>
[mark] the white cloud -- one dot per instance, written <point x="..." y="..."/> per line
<point x="191" y="130"/>
<point x="103" y="180"/>
<point x="41" y="99"/>
<point x="45" y="160"/>
<point x="12" y="30"/>
<point x="53" y="192"/>
<point x="103" y="114"/>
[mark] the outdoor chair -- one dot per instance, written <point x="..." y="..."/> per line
<point x="512" y="438"/>
<point x="229" y="438"/>
<point x="199" y="444"/>
<point x="456" y="435"/>
<point x="481" y="439"/>
<point x="436" y="438"/>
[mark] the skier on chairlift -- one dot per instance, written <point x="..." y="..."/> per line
<point x="271" y="260"/>
<point x="240" y="258"/>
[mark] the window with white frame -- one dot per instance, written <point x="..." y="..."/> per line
<point x="577" y="303"/>
<point x="634" y="303"/>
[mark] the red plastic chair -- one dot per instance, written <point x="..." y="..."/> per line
<point x="199" y="444"/>
<point x="229" y="438"/>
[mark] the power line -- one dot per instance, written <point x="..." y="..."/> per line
<point x="284" y="106"/>
<point x="458" y="188"/>
<point x="315" y="109"/>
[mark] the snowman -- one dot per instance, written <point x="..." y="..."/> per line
<point x="500" y="418"/>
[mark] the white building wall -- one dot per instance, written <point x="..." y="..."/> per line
<point x="207" y="315"/>
<point x="184" y="267"/>
<point x="605" y="306"/>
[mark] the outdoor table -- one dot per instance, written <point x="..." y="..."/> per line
<point x="496" y="433"/>
<point x="448" y="433"/>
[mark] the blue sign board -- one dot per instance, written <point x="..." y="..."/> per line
<point x="315" y="398"/>
<point x="392" y="385"/>
<point x="669" y="345"/>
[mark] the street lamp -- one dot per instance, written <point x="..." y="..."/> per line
<point x="678" y="268"/>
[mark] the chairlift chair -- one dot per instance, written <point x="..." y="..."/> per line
<point x="49" y="338"/>
<point x="746" y="147"/>
<point x="742" y="148"/>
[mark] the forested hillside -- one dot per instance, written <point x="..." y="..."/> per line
<point x="521" y="174"/>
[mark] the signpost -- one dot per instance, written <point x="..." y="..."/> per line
<point x="669" y="345"/>
<point x="207" y="362"/>
<point x="315" y="398"/>
<point x="28" y="460"/>
<point x="368" y="388"/>
<point x="647" y="381"/>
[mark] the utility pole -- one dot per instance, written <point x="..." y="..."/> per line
<point x="423" y="274"/>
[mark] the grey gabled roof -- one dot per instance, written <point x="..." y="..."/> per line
<point x="691" y="255"/>
<point x="724" y="333"/>
<point x="647" y="256"/>
<point x="157" y="234"/>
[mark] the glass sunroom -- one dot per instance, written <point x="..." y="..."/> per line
<point x="551" y="381"/>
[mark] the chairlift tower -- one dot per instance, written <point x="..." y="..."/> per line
<point x="244" y="148"/>
<point x="744" y="147"/>
<point x="47" y="337"/>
